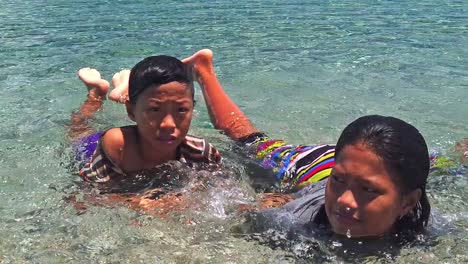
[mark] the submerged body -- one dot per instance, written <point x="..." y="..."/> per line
<point x="160" y="102"/>
<point x="392" y="152"/>
<point x="98" y="167"/>
<point x="379" y="168"/>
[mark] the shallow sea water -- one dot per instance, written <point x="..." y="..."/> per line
<point x="301" y="70"/>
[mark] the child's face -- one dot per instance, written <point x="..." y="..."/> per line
<point x="163" y="114"/>
<point x="362" y="196"/>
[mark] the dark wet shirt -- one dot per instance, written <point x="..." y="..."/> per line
<point x="305" y="214"/>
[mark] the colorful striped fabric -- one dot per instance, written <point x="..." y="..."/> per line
<point x="295" y="166"/>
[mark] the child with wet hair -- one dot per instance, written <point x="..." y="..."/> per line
<point x="370" y="184"/>
<point x="161" y="102"/>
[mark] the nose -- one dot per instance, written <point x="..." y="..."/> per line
<point x="168" y="122"/>
<point x="347" y="200"/>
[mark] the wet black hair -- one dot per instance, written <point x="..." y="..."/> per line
<point x="157" y="70"/>
<point x="405" y="154"/>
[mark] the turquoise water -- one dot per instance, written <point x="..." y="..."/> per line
<point x="301" y="70"/>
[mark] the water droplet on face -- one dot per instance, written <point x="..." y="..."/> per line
<point x="348" y="233"/>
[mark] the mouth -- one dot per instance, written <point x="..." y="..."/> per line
<point x="169" y="139"/>
<point x="345" y="218"/>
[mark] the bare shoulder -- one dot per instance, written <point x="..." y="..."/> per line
<point x="115" y="141"/>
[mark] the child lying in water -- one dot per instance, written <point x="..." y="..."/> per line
<point x="160" y="102"/>
<point x="370" y="184"/>
<point x="348" y="201"/>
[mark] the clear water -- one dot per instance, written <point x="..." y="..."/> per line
<point x="301" y="70"/>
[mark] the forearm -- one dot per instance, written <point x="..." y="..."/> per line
<point x="79" y="120"/>
<point x="224" y="113"/>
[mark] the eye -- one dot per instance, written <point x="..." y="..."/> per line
<point x="370" y="189"/>
<point x="183" y="110"/>
<point x="155" y="109"/>
<point x="337" y="178"/>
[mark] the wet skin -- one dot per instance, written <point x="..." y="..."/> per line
<point x="163" y="115"/>
<point x="362" y="195"/>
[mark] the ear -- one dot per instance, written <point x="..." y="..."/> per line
<point x="409" y="201"/>
<point x="130" y="110"/>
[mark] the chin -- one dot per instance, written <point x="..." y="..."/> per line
<point x="355" y="233"/>
<point x="340" y="230"/>
<point x="346" y="230"/>
<point x="169" y="144"/>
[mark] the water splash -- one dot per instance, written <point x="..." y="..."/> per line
<point x="336" y="244"/>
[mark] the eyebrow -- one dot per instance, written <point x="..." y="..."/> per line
<point x="358" y="178"/>
<point x="177" y="101"/>
<point x="366" y="181"/>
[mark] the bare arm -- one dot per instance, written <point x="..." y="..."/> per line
<point x="97" y="90"/>
<point x="462" y="149"/>
<point x="224" y="113"/>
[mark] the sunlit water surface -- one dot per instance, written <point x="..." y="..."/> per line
<point x="301" y="70"/>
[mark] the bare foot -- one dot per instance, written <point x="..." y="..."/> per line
<point x="97" y="87"/>
<point x="462" y="148"/>
<point x="202" y="60"/>
<point x="120" y="81"/>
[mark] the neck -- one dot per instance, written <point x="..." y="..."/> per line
<point x="153" y="154"/>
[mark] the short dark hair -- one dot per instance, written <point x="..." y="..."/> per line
<point x="157" y="70"/>
<point x="405" y="154"/>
